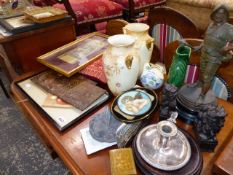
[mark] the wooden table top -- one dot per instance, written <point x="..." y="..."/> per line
<point x="70" y="147"/>
<point x="223" y="165"/>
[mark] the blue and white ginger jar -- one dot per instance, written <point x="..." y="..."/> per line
<point x="151" y="77"/>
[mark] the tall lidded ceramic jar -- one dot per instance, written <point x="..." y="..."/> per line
<point x="121" y="65"/>
<point x="144" y="42"/>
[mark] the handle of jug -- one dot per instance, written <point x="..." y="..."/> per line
<point x="129" y="61"/>
<point x="149" y="43"/>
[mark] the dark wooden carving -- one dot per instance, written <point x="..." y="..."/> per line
<point x="208" y="123"/>
<point x="168" y="101"/>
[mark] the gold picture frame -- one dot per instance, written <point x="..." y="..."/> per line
<point x="74" y="56"/>
<point x="44" y="14"/>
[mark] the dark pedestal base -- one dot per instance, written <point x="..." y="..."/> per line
<point x="189" y="102"/>
<point x="205" y="145"/>
<point x="185" y="114"/>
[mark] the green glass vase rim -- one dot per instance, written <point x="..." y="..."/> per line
<point x="187" y="48"/>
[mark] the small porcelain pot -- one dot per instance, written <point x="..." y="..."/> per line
<point x="144" y="42"/>
<point x="121" y="64"/>
<point x="152" y="77"/>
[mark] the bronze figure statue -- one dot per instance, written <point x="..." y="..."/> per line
<point x="196" y="103"/>
<point x="217" y="46"/>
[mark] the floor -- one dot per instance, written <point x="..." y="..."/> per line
<point x="21" y="152"/>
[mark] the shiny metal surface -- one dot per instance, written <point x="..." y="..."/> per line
<point x="163" y="146"/>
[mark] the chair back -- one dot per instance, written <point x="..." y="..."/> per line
<point x="115" y="26"/>
<point x="167" y="25"/>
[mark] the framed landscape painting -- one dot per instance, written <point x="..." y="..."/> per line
<point x="72" y="57"/>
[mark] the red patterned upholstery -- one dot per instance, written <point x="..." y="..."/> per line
<point x="137" y="3"/>
<point x="91" y="10"/>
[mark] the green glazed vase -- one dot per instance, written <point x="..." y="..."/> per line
<point x="179" y="65"/>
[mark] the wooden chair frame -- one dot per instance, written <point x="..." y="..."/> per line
<point x="174" y="19"/>
<point x="115" y="26"/>
<point x="132" y="10"/>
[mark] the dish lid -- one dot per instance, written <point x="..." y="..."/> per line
<point x="163" y="146"/>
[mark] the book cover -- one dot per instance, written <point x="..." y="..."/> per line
<point x="76" y="90"/>
<point x="122" y="161"/>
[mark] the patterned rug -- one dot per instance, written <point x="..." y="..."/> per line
<point x="21" y="152"/>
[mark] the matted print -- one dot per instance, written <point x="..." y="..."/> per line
<point x="72" y="57"/>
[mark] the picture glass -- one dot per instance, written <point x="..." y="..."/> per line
<point x="134" y="103"/>
<point x="74" y="56"/>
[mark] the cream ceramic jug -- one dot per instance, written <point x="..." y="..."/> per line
<point x="121" y="65"/>
<point x="144" y="43"/>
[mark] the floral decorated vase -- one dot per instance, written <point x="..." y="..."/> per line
<point x="152" y="77"/>
<point x="121" y="64"/>
<point x="144" y="42"/>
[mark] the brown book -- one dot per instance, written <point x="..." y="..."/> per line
<point x="122" y="161"/>
<point x="76" y="90"/>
